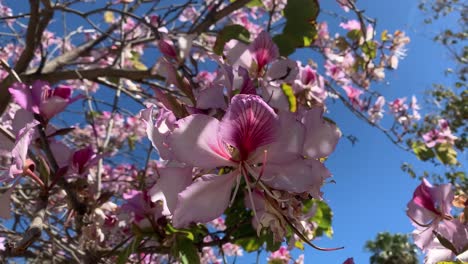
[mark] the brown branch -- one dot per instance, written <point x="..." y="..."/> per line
<point x="214" y="17"/>
<point x="34" y="231"/>
<point x="92" y="74"/>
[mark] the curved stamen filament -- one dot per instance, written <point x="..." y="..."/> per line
<point x="264" y="187"/>
<point x="419" y="224"/>
<point x="235" y="190"/>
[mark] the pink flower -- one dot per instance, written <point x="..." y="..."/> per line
<point x="351" y="25"/>
<point x="282" y="255"/>
<point x="439" y="136"/>
<point x="353" y="96"/>
<point x="430" y="206"/>
<point x="40" y="99"/>
<point x="82" y="159"/>
<point x="312" y="82"/>
<point x="249" y="134"/>
<point x="139" y="205"/>
<point x="256" y="56"/>
<point x="398" y="106"/>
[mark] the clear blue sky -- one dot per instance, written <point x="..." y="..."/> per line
<point x="371" y="191"/>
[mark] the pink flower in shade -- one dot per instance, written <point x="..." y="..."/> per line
<point x="282" y="255"/>
<point x="353" y="96"/>
<point x="249" y="134"/>
<point x="140" y="206"/>
<point x="351" y="25"/>
<point x="430" y="206"/>
<point x="439" y="136"/>
<point x="40" y="99"/>
<point x="167" y="48"/>
<point x="83" y="159"/>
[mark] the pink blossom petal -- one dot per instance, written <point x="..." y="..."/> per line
<point x="290" y="140"/>
<point x="62" y="91"/>
<point x="248" y="124"/>
<point x="21" y="95"/>
<point x="285" y="70"/>
<point x="171" y="182"/>
<point x="247" y="86"/>
<point x="239" y="55"/>
<point x="423" y="236"/>
<point x="61" y="152"/>
<point x="204" y="200"/>
<point x="422" y="197"/>
<point x="157" y="133"/>
<point x="296" y="176"/>
<point x="196" y="142"/>
<point x="53" y="106"/>
<point x="264" y="50"/>
<point x="20" y="151"/>
<point x="211" y="97"/>
<point x="275" y="97"/>
<point x="321" y="136"/>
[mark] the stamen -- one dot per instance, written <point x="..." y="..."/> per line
<point x="235" y="190"/>
<point x="263" y="166"/>
<point x="250" y="196"/>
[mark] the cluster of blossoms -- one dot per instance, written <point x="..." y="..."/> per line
<point x="440" y="235"/>
<point x="439" y="136"/>
<point x="257" y="146"/>
<point x="401" y="111"/>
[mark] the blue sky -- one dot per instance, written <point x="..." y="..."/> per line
<point x="371" y="191"/>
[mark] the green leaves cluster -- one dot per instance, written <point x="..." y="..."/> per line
<point x="300" y="28"/>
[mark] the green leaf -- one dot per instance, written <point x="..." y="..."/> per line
<point x="271" y="244"/>
<point x="370" y="49"/>
<point x="299" y="30"/>
<point x="185" y="250"/>
<point x="354" y="35"/>
<point x="289" y="93"/>
<point x="323" y="217"/>
<point x="130" y="249"/>
<point x="228" y="33"/>
<point x="250" y="244"/>
<point x="254" y="3"/>
<point x="137" y="64"/>
<point x="446" y="154"/>
<point x="422" y="152"/>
